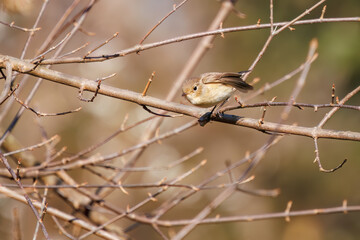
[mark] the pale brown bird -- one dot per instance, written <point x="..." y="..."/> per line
<point x="214" y="87"/>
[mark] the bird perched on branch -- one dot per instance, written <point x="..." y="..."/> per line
<point x="214" y="87"/>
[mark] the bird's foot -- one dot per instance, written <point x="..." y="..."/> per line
<point x="204" y="119"/>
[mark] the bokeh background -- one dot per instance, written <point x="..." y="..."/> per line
<point x="288" y="165"/>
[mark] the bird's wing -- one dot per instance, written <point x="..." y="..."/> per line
<point x="229" y="78"/>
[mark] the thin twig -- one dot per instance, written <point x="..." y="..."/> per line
<point x="321" y="124"/>
<point x="57" y="30"/>
<point x="81" y="91"/>
<point x="148" y="83"/>
<point x="39" y="80"/>
<point x="8" y="82"/>
<point x="52" y="48"/>
<point x="12" y="25"/>
<point x="40" y="114"/>
<point x="301" y="81"/>
<point x="157" y="114"/>
<point x="139" y="48"/>
<point x="105" y="78"/>
<point x="150" y="197"/>
<point x="16" y="224"/>
<point x="271" y="193"/>
<point x="42" y="213"/>
<point x="146" y="169"/>
<point x="317" y="160"/>
<point x="175" y="7"/>
<point x="267" y="86"/>
<point x="334" y="110"/>
<point x="306" y="12"/>
<point x="28" y="200"/>
<point x="100" y="159"/>
<point x="64" y="165"/>
<point x="295" y="104"/>
<point x="102" y="142"/>
<point x="157" y="229"/>
<point x="58" y="224"/>
<point x="31" y="34"/>
<point x="55" y="212"/>
<point x="31" y="148"/>
<point x="9" y="94"/>
<point x="271" y="16"/>
<point x="323" y="12"/>
<point x="74" y="51"/>
<point x="257" y="217"/>
<point x="101" y="45"/>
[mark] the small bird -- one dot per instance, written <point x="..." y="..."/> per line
<point x="214" y="87"/>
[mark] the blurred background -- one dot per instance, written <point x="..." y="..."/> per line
<point x="288" y="165"/>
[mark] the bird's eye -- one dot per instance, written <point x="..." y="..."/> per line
<point x="195" y="88"/>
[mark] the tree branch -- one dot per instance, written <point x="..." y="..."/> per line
<point x="86" y="84"/>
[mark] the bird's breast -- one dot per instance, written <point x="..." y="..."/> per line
<point x="210" y="94"/>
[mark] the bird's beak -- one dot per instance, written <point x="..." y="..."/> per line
<point x="183" y="94"/>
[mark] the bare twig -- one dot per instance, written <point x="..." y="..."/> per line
<point x="157" y="114"/>
<point x="16" y="225"/>
<point x="148" y="84"/>
<point x="42" y="213"/>
<point x="31" y="34"/>
<point x="57" y="213"/>
<point x="257" y="217"/>
<point x="81" y="91"/>
<point x="102" y="142"/>
<point x="335" y="109"/>
<point x="8" y="81"/>
<point x="31" y="148"/>
<point x="106" y="77"/>
<point x="323" y="12"/>
<point x="287" y="211"/>
<point x="100" y="159"/>
<point x="301" y="81"/>
<point x="9" y="94"/>
<point x="58" y="224"/>
<point x="139" y="48"/>
<point x="51" y="49"/>
<point x="57" y="30"/>
<point x="268" y="86"/>
<point x="101" y="45"/>
<point x="175" y="7"/>
<point x="39" y="81"/>
<point x="28" y="200"/>
<point x="271" y="16"/>
<point x="74" y="51"/>
<point x="306" y="12"/>
<point x="295" y="104"/>
<point x="317" y="160"/>
<point x="40" y="114"/>
<point x="12" y="25"/>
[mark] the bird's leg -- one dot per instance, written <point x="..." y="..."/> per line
<point x="212" y="110"/>
<point x="204" y="119"/>
<point x="220" y="113"/>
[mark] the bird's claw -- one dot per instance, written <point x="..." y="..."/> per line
<point x="204" y="119"/>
